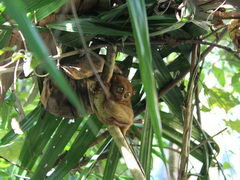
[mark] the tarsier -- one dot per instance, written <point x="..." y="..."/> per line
<point x="115" y="109"/>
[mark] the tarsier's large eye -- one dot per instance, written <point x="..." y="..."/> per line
<point x="126" y="95"/>
<point x="119" y="89"/>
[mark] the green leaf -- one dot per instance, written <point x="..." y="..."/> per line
<point x="4" y="174"/>
<point x="4" y="38"/>
<point x="81" y="144"/>
<point x="11" y="151"/>
<point x="37" y="138"/>
<point x="55" y="147"/>
<point x="141" y="36"/>
<point x="179" y="64"/>
<point x="196" y="28"/>
<point x="146" y="146"/>
<point x="174" y="98"/>
<point x="36" y="4"/>
<point x="173" y="131"/>
<point x="112" y="162"/>
<point x="5" y="111"/>
<point x="93" y="161"/>
<point x="220" y="98"/>
<point x="219" y="74"/>
<point x="113" y="13"/>
<point x="72" y="39"/>
<point x="205" y="109"/>
<point x="25" y="125"/>
<point x="234" y="125"/>
<point x="49" y="8"/>
<point x="227" y="165"/>
<point x="89" y="26"/>
<point x="173" y="27"/>
<point x="235" y="82"/>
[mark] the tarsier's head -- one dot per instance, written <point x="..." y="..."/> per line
<point x="121" y="89"/>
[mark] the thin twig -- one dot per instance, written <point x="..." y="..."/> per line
<point x="210" y="48"/>
<point x="8" y="63"/>
<point x="20" y="167"/>
<point x="213" y="32"/>
<point x="79" y="51"/>
<point x="100" y="138"/>
<point x="207" y="140"/>
<point x="10" y="69"/>
<point x="18" y="106"/>
<point x="173" y="83"/>
<point x="15" y="76"/>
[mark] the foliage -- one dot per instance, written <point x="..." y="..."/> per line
<point x="155" y="49"/>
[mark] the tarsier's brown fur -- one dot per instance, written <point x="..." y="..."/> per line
<point x="119" y="104"/>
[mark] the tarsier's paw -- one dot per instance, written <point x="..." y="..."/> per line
<point x="123" y="126"/>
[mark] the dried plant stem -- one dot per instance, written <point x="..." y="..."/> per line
<point x="126" y="152"/>
<point x="188" y="116"/>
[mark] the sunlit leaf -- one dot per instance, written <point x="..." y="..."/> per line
<point x="219" y="74"/>
<point x="234" y="125"/>
<point x="222" y="99"/>
<point x="12" y="151"/>
<point x="235" y="82"/>
<point x="227" y="165"/>
<point x="4" y="174"/>
<point x="205" y="109"/>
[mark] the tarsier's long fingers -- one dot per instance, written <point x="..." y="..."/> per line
<point x="123" y="126"/>
<point x="120" y="124"/>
